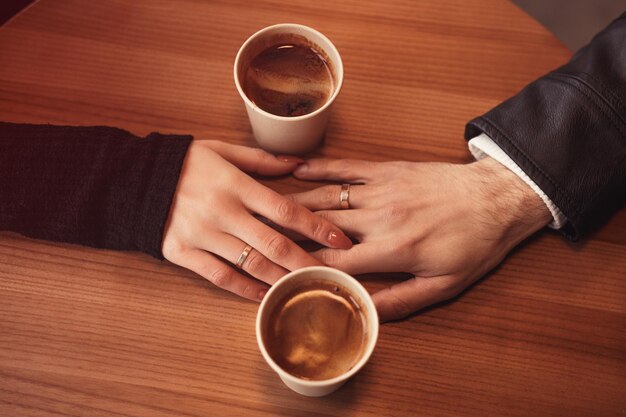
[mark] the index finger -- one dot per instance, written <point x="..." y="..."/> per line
<point x="288" y="214"/>
<point x="349" y="170"/>
<point x="254" y="160"/>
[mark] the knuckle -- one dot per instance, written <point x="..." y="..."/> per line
<point x="330" y="257"/>
<point x="318" y="229"/>
<point x="394" y="213"/>
<point x="286" y="211"/>
<point x="221" y="277"/>
<point x="400" y="307"/>
<point x="255" y="264"/>
<point x="259" y="158"/>
<point x="321" y="165"/>
<point x="277" y="246"/>
<point x="248" y="291"/>
<point x="260" y="154"/>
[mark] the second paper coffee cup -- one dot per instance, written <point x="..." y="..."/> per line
<point x="316" y="328"/>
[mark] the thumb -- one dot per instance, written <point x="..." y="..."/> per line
<point x="255" y="160"/>
<point x="409" y="296"/>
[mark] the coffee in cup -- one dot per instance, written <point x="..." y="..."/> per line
<point x="290" y="78"/>
<point x="316" y="331"/>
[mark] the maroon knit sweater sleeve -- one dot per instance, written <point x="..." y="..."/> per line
<point x="95" y="186"/>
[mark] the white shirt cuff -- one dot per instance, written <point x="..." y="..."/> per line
<point x="482" y="146"/>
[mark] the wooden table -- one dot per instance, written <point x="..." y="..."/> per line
<point x="86" y="332"/>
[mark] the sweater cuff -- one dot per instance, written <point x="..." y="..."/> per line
<point x="482" y="146"/>
<point x="165" y="155"/>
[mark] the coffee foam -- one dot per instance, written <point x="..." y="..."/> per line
<point x="317" y="331"/>
<point x="262" y="43"/>
<point x="289" y="81"/>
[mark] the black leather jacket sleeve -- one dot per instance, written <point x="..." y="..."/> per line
<point x="567" y="131"/>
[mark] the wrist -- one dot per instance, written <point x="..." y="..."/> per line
<point x="509" y="201"/>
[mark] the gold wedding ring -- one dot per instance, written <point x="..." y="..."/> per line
<point x="344" y="197"/>
<point x="244" y="255"/>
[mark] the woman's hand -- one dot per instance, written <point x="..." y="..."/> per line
<point x="446" y="224"/>
<point x="212" y="218"/>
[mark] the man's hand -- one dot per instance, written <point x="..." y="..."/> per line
<point x="446" y="224"/>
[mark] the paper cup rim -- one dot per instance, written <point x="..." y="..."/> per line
<point x="256" y="108"/>
<point x="371" y="344"/>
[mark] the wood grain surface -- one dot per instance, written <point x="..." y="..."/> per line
<point x="86" y="332"/>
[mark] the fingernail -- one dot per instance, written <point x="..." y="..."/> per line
<point x="262" y="294"/>
<point x="290" y="159"/>
<point x="339" y="240"/>
<point x="302" y="169"/>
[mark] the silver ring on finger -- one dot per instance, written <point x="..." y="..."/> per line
<point x="344" y="197"/>
<point x="244" y="255"/>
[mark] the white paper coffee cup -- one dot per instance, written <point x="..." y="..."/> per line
<point x="291" y="281"/>
<point x="280" y="134"/>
